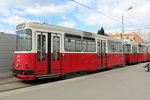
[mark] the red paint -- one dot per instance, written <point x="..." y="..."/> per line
<point x="68" y="62"/>
<point x="56" y="66"/>
<point x="131" y="58"/>
<point x="28" y="61"/>
<point x="104" y="60"/>
<point x="78" y="61"/>
<point x="26" y="77"/>
<point x="148" y="56"/>
<point x="142" y="57"/>
<point x="101" y="60"/>
<point x="24" y="61"/>
<point x="21" y="60"/>
<point x="115" y="59"/>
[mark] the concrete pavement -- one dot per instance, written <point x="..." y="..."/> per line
<point x="127" y="83"/>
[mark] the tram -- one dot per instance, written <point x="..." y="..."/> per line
<point x="47" y="51"/>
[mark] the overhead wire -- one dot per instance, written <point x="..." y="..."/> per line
<point x="99" y="12"/>
<point x="95" y="11"/>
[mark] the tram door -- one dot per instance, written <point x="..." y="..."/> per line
<point x="101" y="54"/>
<point x="48" y="53"/>
<point x="41" y="67"/>
<point x="134" y="53"/>
<point x="55" y="63"/>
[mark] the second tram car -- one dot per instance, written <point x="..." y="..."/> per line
<point x="131" y="52"/>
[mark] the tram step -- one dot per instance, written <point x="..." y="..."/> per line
<point x="48" y="76"/>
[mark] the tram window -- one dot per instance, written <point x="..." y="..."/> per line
<point x="148" y="49"/>
<point x="56" y="48"/>
<point x="134" y="49"/>
<point x="103" y="47"/>
<point x="84" y="43"/>
<point x="70" y="45"/>
<point x="24" y="40"/>
<point x="118" y="47"/>
<point x="89" y="45"/>
<point x="142" y="48"/>
<point x="78" y="46"/>
<point x="111" y="46"/>
<point x="41" y="47"/>
<point x="73" y="43"/>
<point x="98" y="47"/>
<point x="128" y="48"/>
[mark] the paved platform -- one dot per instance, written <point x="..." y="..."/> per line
<point x="127" y="83"/>
<point x="8" y="79"/>
<point x="5" y="75"/>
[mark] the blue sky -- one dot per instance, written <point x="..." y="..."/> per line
<point x="69" y="14"/>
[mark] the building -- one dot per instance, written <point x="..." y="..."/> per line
<point x="129" y="36"/>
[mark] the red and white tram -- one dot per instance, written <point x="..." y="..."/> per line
<point x="131" y="52"/>
<point x="45" y="51"/>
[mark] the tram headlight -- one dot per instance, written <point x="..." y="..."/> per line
<point x="17" y="65"/>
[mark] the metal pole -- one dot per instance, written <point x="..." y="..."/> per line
<point x="122" y="36"/>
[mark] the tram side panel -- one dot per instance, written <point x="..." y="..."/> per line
<point x="142" y="57"/>
<point x="74" y="62"/>
<point x="115" y="59"/>
<point x="80" y="54"/>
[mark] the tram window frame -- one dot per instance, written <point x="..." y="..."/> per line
<point x="27" y="32"/>
<point x="41" y="47"/>
<point x="77" y="43"/>
<point x="128" y="48"/>
<point x="111" y="46"/>
<point x="89" y="44"/>
<point x="103" y="49"/>
<point x="142" y="48"/>
<point x="148" y="49"/>
<point x="99" y="47"/>
<point x="56" y="48"/>
<point x="134" y="49"/>
<point x="119" y="47"/>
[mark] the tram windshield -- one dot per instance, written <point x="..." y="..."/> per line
<point x="24" y="39"/>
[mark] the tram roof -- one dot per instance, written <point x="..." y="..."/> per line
<point x="65" y="30"/>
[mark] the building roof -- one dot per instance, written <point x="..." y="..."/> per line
<point x="134" y="36"/>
